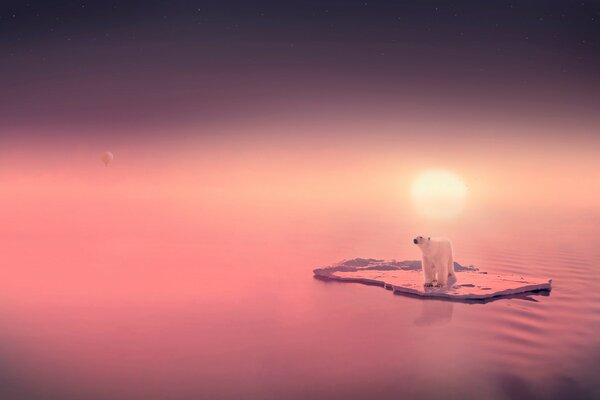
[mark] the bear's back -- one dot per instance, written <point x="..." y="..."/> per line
<point x="440" y="245"/>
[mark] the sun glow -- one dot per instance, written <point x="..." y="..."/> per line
<point x="438" y="194"/>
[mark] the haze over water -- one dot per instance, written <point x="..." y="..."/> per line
<point x="186" y="272"/>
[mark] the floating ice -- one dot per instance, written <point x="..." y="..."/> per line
<point x="405" y="277"/>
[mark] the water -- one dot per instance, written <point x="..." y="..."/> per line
<point x="231" y="312"/>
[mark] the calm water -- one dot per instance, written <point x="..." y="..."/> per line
<point x="232" y="314"/>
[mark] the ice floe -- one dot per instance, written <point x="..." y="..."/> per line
<point x="405" y="277"/>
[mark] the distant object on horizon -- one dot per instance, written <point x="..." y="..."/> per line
<point x="107" y="157"/>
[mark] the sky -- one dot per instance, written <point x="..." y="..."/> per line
<point x="143" y="68"/>
<point x="298" y="103"/>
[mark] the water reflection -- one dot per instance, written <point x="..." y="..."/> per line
<point x="435" y="312"/>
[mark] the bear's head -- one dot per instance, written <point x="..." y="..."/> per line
<point x="421" y="241"/>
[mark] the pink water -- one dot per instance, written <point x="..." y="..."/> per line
<point x="185" y="272"/>
<point x="236" y="313"/>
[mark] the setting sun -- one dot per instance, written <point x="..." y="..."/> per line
<point x="438" y="194"/>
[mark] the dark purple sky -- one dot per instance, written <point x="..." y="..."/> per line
<point x="111" y="64"/>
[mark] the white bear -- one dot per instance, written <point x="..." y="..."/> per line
<point x="437" y="261"/>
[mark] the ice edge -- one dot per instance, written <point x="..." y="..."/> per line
<point x="328" y="273"/>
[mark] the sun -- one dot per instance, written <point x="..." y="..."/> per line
<point x="438" y="194"/>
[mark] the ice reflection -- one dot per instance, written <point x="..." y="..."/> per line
<point x="435" y="312"/>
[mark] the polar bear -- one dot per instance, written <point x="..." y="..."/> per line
<point x="437" y="261"/>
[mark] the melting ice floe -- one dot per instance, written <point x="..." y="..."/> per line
<point x="405" y="277"/>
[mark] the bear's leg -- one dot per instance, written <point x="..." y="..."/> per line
<point x="451" y="269"/>
<point x="442" y="274"/>
<point x="427" y="272"/>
